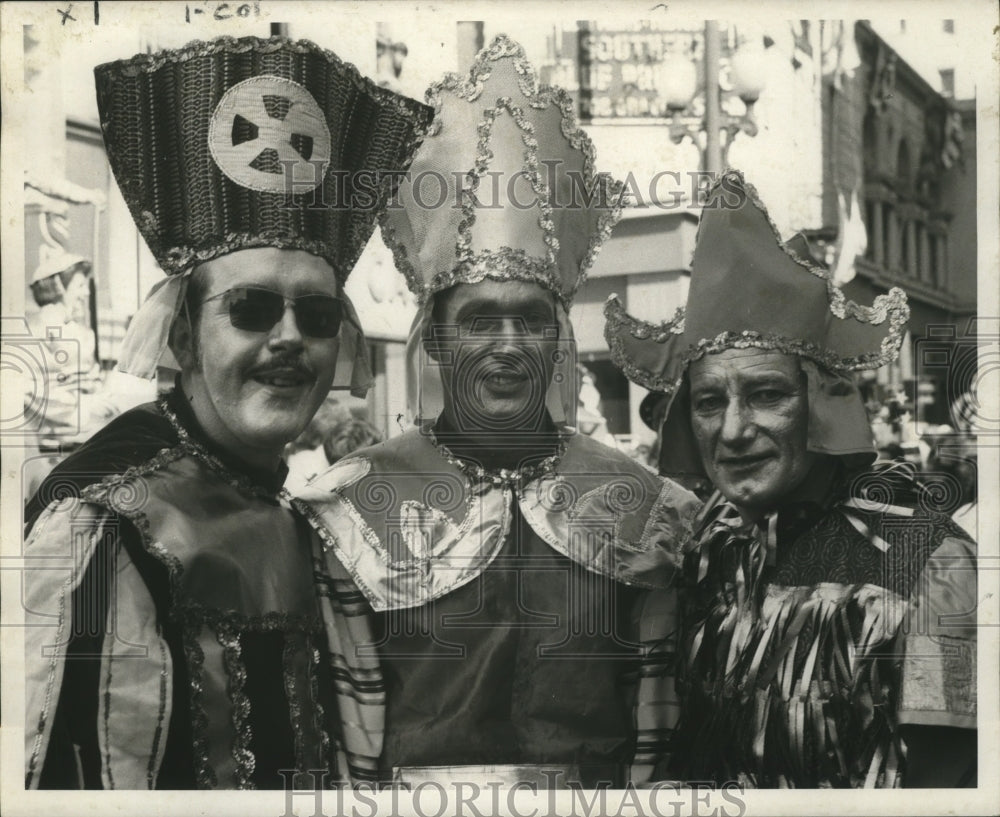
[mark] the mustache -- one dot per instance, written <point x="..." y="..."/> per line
<point x="288" y="363"/>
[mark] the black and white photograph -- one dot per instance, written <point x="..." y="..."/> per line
<point x="469" y="408"/>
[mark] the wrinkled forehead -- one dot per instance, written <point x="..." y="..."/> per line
<point x="736" y="366"/>
<point x="293" y="272"/>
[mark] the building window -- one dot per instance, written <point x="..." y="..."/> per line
<point x="920" y="265"/>
<point x="869" y="140"/>
<point x="870" y="206"/>
<point x="933" y="259"/>
<point x="947" y="82"/>
<point x="903" y="171"/>
<point x="887" y="215"/>
<point x="904" y="246"/>
<point x="948" y="26"/>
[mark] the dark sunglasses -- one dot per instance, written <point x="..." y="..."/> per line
<point x="258" y="310"/>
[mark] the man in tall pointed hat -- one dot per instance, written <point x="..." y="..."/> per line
<point x="828" y="628"/>
<point x="175" y="634"/>
<point x="508" y="558"/>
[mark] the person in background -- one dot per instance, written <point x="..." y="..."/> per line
<point x="305" y="456"/>
<point x="70" y="405"/>
<point x="510" y="560"/>
<point x="59" y="285"/>
<point x="349" y="436"/>
<point x="334" y="432"/>
<point x="952" y="471"/>
<point x="828" y="630"/>
<point x="179" y="633"/>
<point x="589" y="417"/>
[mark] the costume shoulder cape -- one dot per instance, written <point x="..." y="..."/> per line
<point x="237" y="563"/>
<point x="409" y="526"/>
<point x="127" y="441"/>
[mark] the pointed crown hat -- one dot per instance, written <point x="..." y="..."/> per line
<point x="503" y="187"/>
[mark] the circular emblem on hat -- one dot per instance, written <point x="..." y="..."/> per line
<point x="268" y="134"/>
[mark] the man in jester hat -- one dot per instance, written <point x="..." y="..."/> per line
<point x="511" y="562"/>
<point x="828" y="609"/>
<point x="175" y="611"/>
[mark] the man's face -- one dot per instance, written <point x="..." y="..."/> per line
<point x="254" y="391"/>
<point x="749" y="413"/>
<point x="495" y="343"/>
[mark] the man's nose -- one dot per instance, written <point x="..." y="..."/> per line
<point x="737" y="423"/>
<point x="285" y="332"/>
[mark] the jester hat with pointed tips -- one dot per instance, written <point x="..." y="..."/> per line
<point x="751" y="290"/>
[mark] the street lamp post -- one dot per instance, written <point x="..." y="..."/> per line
<point x="747" y="76"/>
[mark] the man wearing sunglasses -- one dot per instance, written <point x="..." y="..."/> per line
<point x="258" y="345"/>
<point x="177" y="634"/>
<point x="509" y="559"/>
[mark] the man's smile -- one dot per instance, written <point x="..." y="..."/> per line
<point x="283" y="377"/>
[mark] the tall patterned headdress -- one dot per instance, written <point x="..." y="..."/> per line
<point x="503" y="187"/>
<point x="751" y="290"/>
<point x="238" y="143"/>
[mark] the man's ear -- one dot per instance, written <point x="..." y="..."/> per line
<point x="182" y="341"/>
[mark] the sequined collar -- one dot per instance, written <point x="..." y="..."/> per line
<point x="263" y="482"/>
<point x="499" y="477"/>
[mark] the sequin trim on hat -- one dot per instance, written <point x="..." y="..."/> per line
<point x="618" y="322"/>
<point x="504" y="264"/>
<point x="748" y="339"/>
<point x="539" y="97"/>
<point x="146" y="63"/>
<point x="891" y="307"/>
